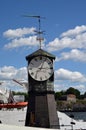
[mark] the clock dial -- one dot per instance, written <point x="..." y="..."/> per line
<point x="40" y="68"/>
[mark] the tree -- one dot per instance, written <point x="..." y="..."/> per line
<point x="85" y="95"/>
<point x="57" y="95"/>
<point x="73" y="91"/>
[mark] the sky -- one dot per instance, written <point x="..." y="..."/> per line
<point x="64" y="26"/>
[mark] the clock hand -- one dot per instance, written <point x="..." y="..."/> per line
<point x="46" y="68"/>
<point x="42" y="63"/>
<point x="37" y="73"/>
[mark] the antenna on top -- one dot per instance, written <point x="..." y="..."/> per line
<point x="39" y="32"/>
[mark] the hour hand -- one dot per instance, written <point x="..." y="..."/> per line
<point x="37" y="73"/>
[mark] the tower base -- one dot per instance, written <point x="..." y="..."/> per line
<point x="41" y="111"/>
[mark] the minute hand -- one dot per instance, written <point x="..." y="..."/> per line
<point x="42" y="63"/>
<point x="46" y="68"/>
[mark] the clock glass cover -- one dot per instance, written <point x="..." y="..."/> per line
<point x="40" y="68"/>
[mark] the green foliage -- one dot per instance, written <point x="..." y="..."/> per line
<point x="58" y="95"/>
<point x="79" y="105"/>
<point x="85" y="95"/>
<point x="70" y="90"/>
<point x="73" y="91"/>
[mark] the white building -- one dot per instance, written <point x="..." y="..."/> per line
<point x="19" y="98"/>
<point x="71" y="97"/>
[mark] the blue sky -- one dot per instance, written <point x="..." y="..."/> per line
<point x="65" y="37"/>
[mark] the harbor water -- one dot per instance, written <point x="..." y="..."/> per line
<point x="77" y="115"/>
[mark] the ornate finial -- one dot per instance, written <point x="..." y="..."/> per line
<point x="39" y="32"/>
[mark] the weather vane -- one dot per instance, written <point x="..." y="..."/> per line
<point x="39" y="32"/>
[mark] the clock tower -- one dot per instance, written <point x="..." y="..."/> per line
<point x="41" y="110"/>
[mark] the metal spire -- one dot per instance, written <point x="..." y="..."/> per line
<point x="39" y="32"/>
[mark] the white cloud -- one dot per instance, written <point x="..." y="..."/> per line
<point x="15" y="43"/>
<point x="73" y="39"/>
<point x="60" y="87"/>
<point x="7" y="69"/>
<point x="21" y="73"/>
<point x="59" y="44"/>
<point x="21" y="37"/>
<point x="74" y="54"/>
<point x="81" y="88"/>
<point x="65" y="79"/>
<point x="64" y="86"/>
<point x="73" y="32"/>
<point x="62" y="78"/>
<point x="8" y="73"/>
<point x="20" y="32"/>
<point x="64" y="74"/>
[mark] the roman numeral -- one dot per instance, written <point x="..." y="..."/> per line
<point x="51" y="67"/>
<point x="49" y="73"/>
<point x="49" y="63"/>
<point x="40" y="78"/>
<point x="45" y="76"/>
<point x="35" y="59"/>
<point x="32" y="63"/>
<point x="32" y="73"/>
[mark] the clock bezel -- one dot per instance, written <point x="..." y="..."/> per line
<point x="48" y="60"/>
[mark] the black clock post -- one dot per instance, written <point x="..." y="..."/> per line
<point x="41" y="110"/>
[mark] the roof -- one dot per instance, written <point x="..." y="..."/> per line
<point x="40" y="52"/>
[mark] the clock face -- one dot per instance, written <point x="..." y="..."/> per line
<point x="40" y="68"/>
